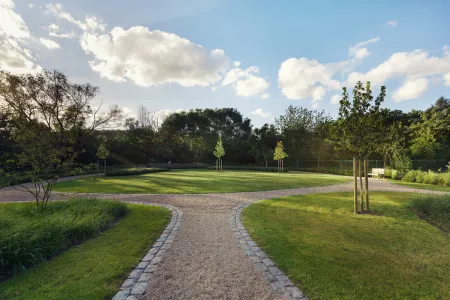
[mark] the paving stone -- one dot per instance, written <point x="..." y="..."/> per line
<point x="166" y="246"/>
<point x="145" y="277"/>
<point x="128" y="284"/>
<point x="275" y="271"/>
<point x="135" y="273"/>
<point x="161" y="253"/>
<point x="250" y="253"/>
<point x="251" y="243"/>
<point x="295" y="292"/>
<point x="157" y="244"/>
<point x="122" y="295"/>
<point x="269" y="276"/>
<point x="261" y="266"/>
<point x="285" y="281"/>
<point x="150" y="269"/>
<point x="142" y="265"/>
<point x="139" y="288"/>
<point x="153" y="250"/>
<point x="156" y="260"/>
<point x="256" y="259"/>
<point x="268" y="262"/>
<point x="131" y="298"/>
<point x="276" y="285"/>
<point x="261" y="254"/>
<point x="148" y="257"/>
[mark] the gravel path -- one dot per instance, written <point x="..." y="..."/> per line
<point x="206" y="261"/>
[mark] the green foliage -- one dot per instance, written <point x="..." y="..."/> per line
<point x="94" y="269"/>
<point x="431" y="178"/>
<point x="436" y="209"/>
<point x="279" y="153"/>
<point x="102" y="152"/>
<point x="30" y="236"/>
<point x="135" y="171"/>
<point x="219" y="151"/>
<point x="397" y="175"/>
<point x="411" y="176"/>
<point x="322" y="246"/>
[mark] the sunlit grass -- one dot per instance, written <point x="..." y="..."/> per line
<point x="198" y="181"/>
<point x="422" y="186"/>
<point x="332" y="253"/>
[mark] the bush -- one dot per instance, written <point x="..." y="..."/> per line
<point x="410" y="176"/>
<point x="388" y="173"/>
<point x="421" y="176"/>
<point x="29" y="237"/>
<point x="436" y="209"/>
<point x="134" y="171"/>
<point x="396" y="175"/>
<point x="431" y="177"/>
<point x="446" y="178"/>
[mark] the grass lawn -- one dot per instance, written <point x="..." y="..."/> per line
<point x="330" y="253"/>
<point x="96" y="268"/>
<point x="422" y="186"/>
<point x="198" y="181"/>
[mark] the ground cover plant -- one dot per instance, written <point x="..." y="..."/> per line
<point x="331" y="253"/>
<point x="30" y="236"/>
<point x="198" y="181"/>
<point x="94" y="269"/>
<point x="434" y="208"/>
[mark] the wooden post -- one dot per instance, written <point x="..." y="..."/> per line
<point x="355" y="187"/>
<point x="361" y="184"/>
<point x="366" y="168"/>
<point x="282" y="166"/>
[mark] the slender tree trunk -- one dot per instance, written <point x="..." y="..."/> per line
<point x="361" y="184"/>
<point x="318" y="163"/>
<point x="282" y="166"/>
<point x="104" y="162"/>
<point x="355" y="187"/>
<point x="98" y="168"/>
<point x="366" y="168"/>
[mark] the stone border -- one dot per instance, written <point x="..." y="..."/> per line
<point x="137" y="281"/>
<point x="277" y="279"/>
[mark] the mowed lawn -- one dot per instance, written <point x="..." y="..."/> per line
<point x="96" y="268"/>
<point x="330" y="253"/>
<point x="198" y="181"/>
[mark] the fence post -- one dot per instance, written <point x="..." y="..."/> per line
<point x="355" y="187"/>
<point x="366" y="168"/>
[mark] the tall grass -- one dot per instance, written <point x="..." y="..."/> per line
<point x="29" y="237"/>
<point x="429" y="177"/>
<point x="435" y="209"/>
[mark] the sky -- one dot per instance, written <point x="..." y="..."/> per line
<point x="256" y="56"/>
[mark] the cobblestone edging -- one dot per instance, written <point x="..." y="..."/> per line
<point x="278" y="280"/>
<point x="137" y="281"/>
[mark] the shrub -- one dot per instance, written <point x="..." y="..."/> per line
<point x="134" y="171"/>
<point x="29" y="237"/>
<point x="396" y="175"/>
<point x="388" y="173"/>
<point x="436" y="209"/>
<point x="446" y="178"/>
<point x="410" y="176"/>
<point x="421" y="176"/>
<point x="431" y="178"/>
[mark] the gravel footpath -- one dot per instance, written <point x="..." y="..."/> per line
<point x="206" y="261"/>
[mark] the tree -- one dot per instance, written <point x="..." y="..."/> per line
<point x="102" y="153"/>
<point x="48" y="117"/>
<point x="357" y="130"/>
<point x="219" y="152"/>
<point x="279" y="155"/>
<point x="262" y="142"/>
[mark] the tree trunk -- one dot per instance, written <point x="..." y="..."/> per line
<point x="361" y="184"/>
<point x="318" y="163"/>
<point x="217" y="165"/>
<point x="98" y="168"/>
<point x="355" y="187"/>
<point x="104" y="162"/>
<point x="282" y="166"/>
<point x="264" y="155"/>
<point x="366" y="167"/>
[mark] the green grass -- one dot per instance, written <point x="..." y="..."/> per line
<point x="96" y="268"/>
<point x="30" y="236"/>
<point x="330" y="253"/>
<point x="198" y="181"/>
<point x="435" y="209"/>
<point x="422" y="186"/>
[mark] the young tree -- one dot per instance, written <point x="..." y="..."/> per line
<point x="49" y="116"/>
<point x="219" y="152"/>
<point x="357" y="130"/>
<point x="279" y="155"/>
<point x="102" y="153"/>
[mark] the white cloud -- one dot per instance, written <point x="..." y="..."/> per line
<point x="411" y="89"/>
<point x="447" y="79"/>
<point x="90" y="24"/>
<point x="410" y="65"/>
<point x="49" y="43"/>
<point x="55" y="31"/>
<point x="151" y="58"/>
<point x="259" y="112"/>
<point x="265" y="96"/>
<point x="392" y="23"/>
<point x="335" y="99"/>
<point x="315" y="105"/>
<point x="301" y="78"/>
<point x="236" y="63"/>
<point x="30" y="5"/>
<point x="358" y="52"/>
<point x="14" y="34"/>
<point x="245" y="83"/>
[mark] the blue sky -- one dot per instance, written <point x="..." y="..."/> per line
<point x="163" y="54"/>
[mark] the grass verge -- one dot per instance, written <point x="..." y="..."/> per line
<point x="422" y="186"/>
<point x="29" y="236"/>
<point x="434" y="209"/>
<point x="331" y="253"/>
<point x="198" y="181"/>
<point x="96" y="268"/>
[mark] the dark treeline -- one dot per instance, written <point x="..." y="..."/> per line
<point x="190" y="136"/>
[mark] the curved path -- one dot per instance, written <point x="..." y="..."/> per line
<point x="205" y="260"/>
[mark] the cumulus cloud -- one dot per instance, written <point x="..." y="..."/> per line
<point x="260" y="113"/>
<point x="411" y="89"/>
<point x="392" y="23"/>
<point x="90" y="24"/>
<point x="151" y="58"/>
<point x="358" y="51"/>
<point x="49" y="44"/>
<point x="265" y="96"/>
<point x="245" y="83"/>
<point x="14" y="34"/>
<point x="335" y="99"/>
<point x="447" y="79"/>
<point x="411" y="65"/>
<point x="55" y="31"/>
